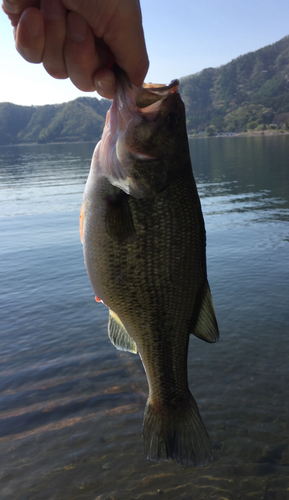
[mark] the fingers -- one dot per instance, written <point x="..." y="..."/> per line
<point x="54" y="16"/>
<point x="40" y="36"/>
<point x="82" y="59"/>
<point x="29" y="36"/>
<point x="125" y="38"/>
<point x="77" y="38"/>
<point x="14" y="8"/>
<point x="17" y="6"/>
<point x="119" y="24"/>
<point x="104" y="81"/>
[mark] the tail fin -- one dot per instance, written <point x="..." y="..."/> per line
<point x="179" y="434"/>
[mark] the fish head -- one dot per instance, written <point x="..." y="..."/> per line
<point x="144" y="143"/>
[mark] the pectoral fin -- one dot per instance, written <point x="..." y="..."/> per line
<point x="119" y="221"/>
<point x="206" y="327"/>
<point x="118" y="334"/>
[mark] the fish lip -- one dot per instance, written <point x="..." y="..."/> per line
<point x="149" y="94"/>
<point x="118" y="153"/>
<point x="161" y="89"/>
<point x="141" y="100"/>
<point x="145" y="101"/>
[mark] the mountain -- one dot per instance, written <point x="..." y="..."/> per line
<point x="249" y="91"/>
<point x="78" y="120"/>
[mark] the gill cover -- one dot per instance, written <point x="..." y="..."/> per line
<point x="118" y="154"/>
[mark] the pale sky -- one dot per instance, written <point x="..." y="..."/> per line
<point x="183" y="37"/>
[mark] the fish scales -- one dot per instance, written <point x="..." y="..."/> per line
<point x="145" y="256"/>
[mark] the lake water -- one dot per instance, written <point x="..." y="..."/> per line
<point x="71" y="405"/>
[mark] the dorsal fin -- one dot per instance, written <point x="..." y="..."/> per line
<point x="118" y="334"/>
<point x="206" y="327"/>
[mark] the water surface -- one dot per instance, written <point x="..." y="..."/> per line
<point x="71" y="405"/>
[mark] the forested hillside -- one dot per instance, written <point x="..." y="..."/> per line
<point x="250" y="92"/>
<point x="79" y="120"/>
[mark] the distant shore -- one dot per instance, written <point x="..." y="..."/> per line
<point x="251" y="133"/>
<point x="263" y="132"/>
<point x="48" y="143"/>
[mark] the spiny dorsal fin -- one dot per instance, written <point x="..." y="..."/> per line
<point x="118" y="334"/>
<point x="206" y="326"/>
<point x="119" y="221"/>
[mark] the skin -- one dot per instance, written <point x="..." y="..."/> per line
<point x="81" y="39"/>
<point x="144" y="250"/>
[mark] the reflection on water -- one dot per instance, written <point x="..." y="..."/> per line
<point x="71" y="405"/>
<point x="243" y="174"/>
<point x="42" y="178"/>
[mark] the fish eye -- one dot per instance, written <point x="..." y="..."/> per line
<point x="172" y="120"/>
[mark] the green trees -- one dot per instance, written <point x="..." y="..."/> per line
<point x="13" y="119"/>
<point x="211" y="130"/>
<point x="79" y="120"/>
<point x="247" y="92"/>
<point x="248" y="117"/>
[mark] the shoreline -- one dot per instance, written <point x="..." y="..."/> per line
<point x="263" y="132"/>
<point x="242" y="134"/>
<point x="47" y="143"/>
<point x="190" y="136"/>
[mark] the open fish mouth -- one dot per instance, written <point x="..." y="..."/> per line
<point x="146" y="99"/>
<point x="149" y="97"/>
<point x="121" y="146"/>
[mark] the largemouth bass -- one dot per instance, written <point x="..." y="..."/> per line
<point x="144" y="249"/>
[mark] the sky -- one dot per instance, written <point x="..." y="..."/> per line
<point x="182" y="36"/>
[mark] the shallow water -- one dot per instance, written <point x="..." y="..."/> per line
<point x="71" y="405"/>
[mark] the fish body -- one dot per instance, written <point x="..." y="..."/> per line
<point x="144" y="249"/>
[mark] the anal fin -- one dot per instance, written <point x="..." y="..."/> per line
<point x="206" y="327"/>
<point x="118" y="334"/>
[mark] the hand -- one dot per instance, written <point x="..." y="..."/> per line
<point x="80" y="39"/>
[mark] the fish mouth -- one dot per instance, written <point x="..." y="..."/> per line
<point x="120" y="146"/>
<point x="145" y="100"/>
<point x="149" y="96"/>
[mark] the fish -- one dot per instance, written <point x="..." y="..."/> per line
<point x="144" y="245"/>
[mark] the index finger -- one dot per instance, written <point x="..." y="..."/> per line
<point x="127" y="43"/>
<point x="119" y="24"/>
<point x="14" y="8"/>
<point x="17" y="6"/>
